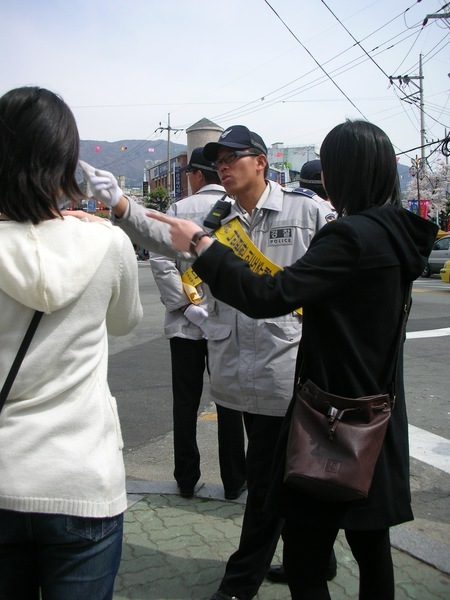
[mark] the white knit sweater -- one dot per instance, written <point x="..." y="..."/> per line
<point x="60" y="439"/>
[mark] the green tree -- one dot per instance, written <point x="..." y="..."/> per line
<point x="158" y="199"/>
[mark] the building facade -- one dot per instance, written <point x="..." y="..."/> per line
<point x="290" y="159"/>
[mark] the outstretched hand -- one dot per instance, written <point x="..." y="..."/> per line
<point x="103" y="184"/>
<point x="181" y="231"/>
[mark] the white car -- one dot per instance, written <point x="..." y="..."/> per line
<point x="439" y="255"/>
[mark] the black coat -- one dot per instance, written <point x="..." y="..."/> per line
<point x="351" y="285"/>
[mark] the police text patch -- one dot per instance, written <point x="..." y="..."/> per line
<point x="281" y="237"/>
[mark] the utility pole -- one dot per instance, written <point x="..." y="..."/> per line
<point x="168" y="129"/>
<point x="416" y="171"/>
<point x="436" y="16"/>
<point x="407" y="79"/>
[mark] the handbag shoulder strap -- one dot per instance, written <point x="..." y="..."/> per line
<point x="405" y="314"/>
<point x="19" y="357"/>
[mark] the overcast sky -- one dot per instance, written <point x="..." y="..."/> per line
<point x="124" y="66"/>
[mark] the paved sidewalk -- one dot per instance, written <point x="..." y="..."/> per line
<point x="176" y="549"/>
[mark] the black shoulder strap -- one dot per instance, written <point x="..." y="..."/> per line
<point x="19" y="357"/>
<point x="405" y="314"/>
<point x="304" y="192"/>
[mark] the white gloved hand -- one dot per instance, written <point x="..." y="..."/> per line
<point x="196" y="314"/>
<point x="103" y="184"/>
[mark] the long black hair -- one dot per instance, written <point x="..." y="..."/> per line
<point x="359" y="167"/>
<point x="39" y="147"/>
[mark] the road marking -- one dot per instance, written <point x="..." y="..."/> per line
<point x="429" y="448"/>
<point x="208" y="416"/>
<point x="431" y="290"/>
<point x="429" y="333"/>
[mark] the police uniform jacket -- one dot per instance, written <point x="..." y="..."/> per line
<point x="167" y="272"/>
<point x="252" y="361"/>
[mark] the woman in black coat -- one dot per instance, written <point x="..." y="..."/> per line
<point x="351" y="284"/>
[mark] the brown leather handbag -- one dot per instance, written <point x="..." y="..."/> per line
<point x="334" y="442"/>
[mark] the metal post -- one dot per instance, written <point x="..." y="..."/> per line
<point x="406" y="80"/>
<point x="169" y="129"/>
<point x="168" y="157"/>
<point x="422" y="114"/>
<point x="417" y="178"/>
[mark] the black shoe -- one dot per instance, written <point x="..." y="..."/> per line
<point x="219" y="595"/>
<point x="276" y="573"/>
<point x="234" y="494"/>
<point x="186" y="492"/>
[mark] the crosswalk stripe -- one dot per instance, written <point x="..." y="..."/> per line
<point x="429" y="448"/>
<point x="429" y="333"/>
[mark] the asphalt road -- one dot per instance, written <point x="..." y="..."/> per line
<point x="427" y="360"/>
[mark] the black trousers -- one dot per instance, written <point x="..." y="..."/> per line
<point x="248" y="566"/>
<point x="189" y="360"/>
<point x="306" y="555"/>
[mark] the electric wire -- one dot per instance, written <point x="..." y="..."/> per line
<point x="314" y="59"/>
<point x="237" y="111"/>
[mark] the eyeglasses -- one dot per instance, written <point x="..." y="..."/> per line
<point x="231" y="157"/>
<point x="188" y="172"/>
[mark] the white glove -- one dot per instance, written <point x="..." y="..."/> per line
<point x="196" y="314"/>
<point x="103" y="184"/>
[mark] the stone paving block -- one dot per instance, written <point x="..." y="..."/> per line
<point x="176" y="549"/>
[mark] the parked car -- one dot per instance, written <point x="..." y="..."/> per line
<point x="439" y="254"/>
<point x="445" y="272"/>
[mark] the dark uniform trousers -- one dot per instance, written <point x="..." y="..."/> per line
<point x="189" y="360"/>
<point x="248" y="566"/>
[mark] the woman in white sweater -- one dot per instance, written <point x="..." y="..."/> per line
<point x="62" y="479"/>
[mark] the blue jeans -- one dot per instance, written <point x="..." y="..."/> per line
<point x="63" y="557"/>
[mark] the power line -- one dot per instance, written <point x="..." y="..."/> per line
<point x="355" y="40"/>
<point x="419" y="147"/>
<point x="314" y="59"/>
<point x="250" y="108"/>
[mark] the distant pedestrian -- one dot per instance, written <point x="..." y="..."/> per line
<point x="311" y="178"/>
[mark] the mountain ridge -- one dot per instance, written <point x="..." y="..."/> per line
<point x="127" y="157"/>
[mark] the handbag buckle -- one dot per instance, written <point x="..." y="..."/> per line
<point x="334" y="417"/>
